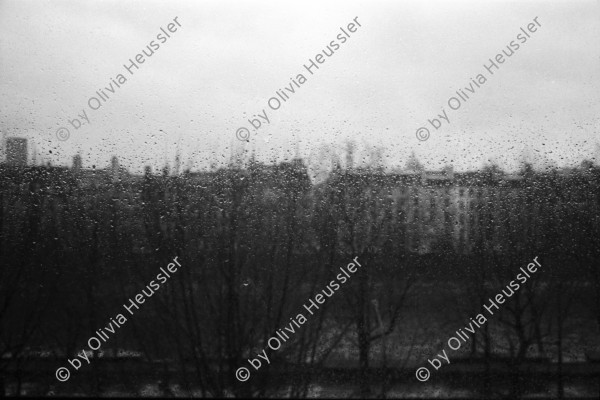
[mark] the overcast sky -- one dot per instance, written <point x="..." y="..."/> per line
<point x="227" y="59"/>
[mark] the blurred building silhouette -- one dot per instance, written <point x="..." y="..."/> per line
<point x="428" y="211"/>
<point x="16" y="151"/>
<point x="77" y="163"/>
<point x="462" y="212"/>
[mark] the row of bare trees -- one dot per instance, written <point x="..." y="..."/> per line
<point x="255" y="245"/>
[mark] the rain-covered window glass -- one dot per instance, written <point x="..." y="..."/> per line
<point x="317" y="199"/>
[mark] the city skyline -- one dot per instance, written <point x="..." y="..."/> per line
<point x="19" y="154"/>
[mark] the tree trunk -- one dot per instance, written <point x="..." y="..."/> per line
<point x="363" y="336"/>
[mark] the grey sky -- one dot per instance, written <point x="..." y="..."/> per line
<point x="227" y="59"/>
